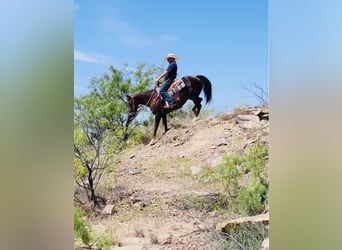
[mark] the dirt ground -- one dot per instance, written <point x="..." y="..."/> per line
<point x="156" y="189"/>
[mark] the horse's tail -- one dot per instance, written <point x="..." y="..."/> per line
<point x="206" y="87"/>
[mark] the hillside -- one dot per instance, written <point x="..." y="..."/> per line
<point x="158" y="197"/>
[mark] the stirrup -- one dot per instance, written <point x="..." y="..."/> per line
<point x="168" y="106"/>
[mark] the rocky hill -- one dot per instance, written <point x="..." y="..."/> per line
<point x="157" y="197"/>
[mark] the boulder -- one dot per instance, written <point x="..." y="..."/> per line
<point x="221" y="142"/>
<point x="226" y="226"/>
<point x="108" y="210"/>
<point x="248" y="121"/>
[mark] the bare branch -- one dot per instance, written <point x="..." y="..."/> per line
<point x="257" y="91"/>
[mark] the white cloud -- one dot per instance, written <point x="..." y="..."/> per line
<point x="91" y="57"/>
<point x="84" y="57"/>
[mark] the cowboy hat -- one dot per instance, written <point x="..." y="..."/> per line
<point x="171" y="55"/>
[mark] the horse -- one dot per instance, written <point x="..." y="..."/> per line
<point x="152" y="99"/>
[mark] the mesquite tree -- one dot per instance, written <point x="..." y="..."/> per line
<point x="99" y="124"/>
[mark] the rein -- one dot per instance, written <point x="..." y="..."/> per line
<point x="141" y="108"/>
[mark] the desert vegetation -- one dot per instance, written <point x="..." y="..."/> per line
<point x="170" y="195"/>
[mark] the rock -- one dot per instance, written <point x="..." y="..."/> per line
<point x="248" y="121"/>
<point x="226" y="226"/>
<point x="213" y="122"/>
<point x="195" y="119"/>
<point x="213" y="213"/>
<point x="264" y="116"/>
<point x="256" y="111"/>
<point x="133" y="171"/>
<point x="168" y="240"/>
<point x="221" y="142"/>
<point x="135" y="198"/>
<point x="108" y="210"/>
<point x="265" y="244"/>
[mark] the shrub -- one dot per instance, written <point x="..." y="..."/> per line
<point x="104" y="242"/>
<point x="229" y="173"/>
<point x="81" y="229"/>
<point x="256" y="161"/>
<point x="252" y="196"/>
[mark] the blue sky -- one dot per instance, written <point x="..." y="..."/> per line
<point x="227" y="41"/>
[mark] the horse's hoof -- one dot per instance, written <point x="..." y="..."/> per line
<point x="153" y="141"/>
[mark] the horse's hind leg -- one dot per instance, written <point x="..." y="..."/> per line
<point x="197" y="108"/>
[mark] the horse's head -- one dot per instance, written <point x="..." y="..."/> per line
<point x="132" y="106"/>
<point x="132" y="109"/>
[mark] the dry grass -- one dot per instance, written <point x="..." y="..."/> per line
<point x="154" y="238"/>
<point x="139" y="232"/>
<point x="225" y="116"/>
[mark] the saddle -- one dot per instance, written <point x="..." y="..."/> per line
<point x="176" y="86"/>
<point x="175" y="83"/>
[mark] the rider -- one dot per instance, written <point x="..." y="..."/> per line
<point x="170" y="74"/>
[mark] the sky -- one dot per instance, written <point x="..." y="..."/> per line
<point x="226" y="41"/>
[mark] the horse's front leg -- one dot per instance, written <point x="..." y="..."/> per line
<point x="156" y="124"/>
<point x="165" y="123"/>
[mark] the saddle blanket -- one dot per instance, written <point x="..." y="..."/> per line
<point x="177" y="85"/>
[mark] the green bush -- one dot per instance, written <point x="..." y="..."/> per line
<point x="252" y="196"/>
<point x="256" y="161"/>
<point x="81" y="229"/>
<point x="229" y="173"/>
<point x="104" y="242"/>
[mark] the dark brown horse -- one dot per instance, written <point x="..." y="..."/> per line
<point x="151" y="99"/>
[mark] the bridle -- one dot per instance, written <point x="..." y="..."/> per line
<point x="140" y="108"/>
